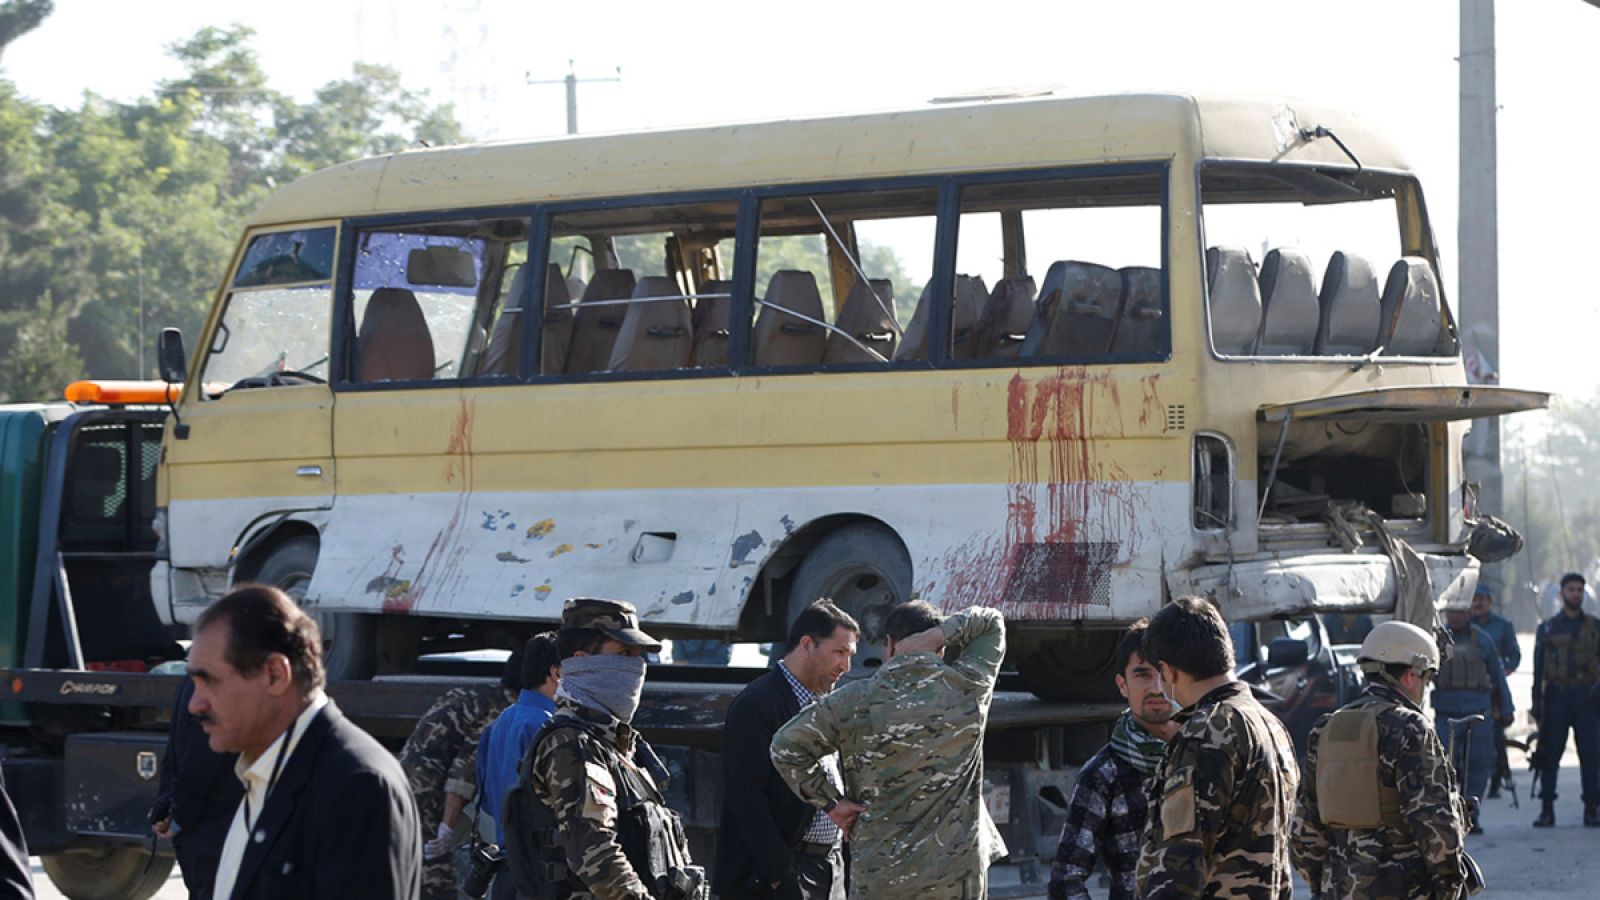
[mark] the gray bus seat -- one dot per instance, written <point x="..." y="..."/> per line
<point x="1142" y="328"/>
<point x="711" y="323"/>
<point x="781" y="339"/>
<point x="1233" y="296"/>
<point x="394" y="342"/>
<point x="594" y="329"/>
<point x="1076" y="316"/>
<point x="1006" y="316"/>
<point x="505" y="341"/>
<point x="1289" y="306"/>
<point x="1350" y="307"/>
<point x="868" y="316"/>
<point x="965" y="312"/>
<point x="656" y="334"/>
<point x="1412" y="318"/>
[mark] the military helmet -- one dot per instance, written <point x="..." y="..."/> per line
<point x="1401" y="643"/>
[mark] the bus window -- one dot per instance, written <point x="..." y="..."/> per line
<point x="838" y="274"/>
<point x="424" y="298"/>
<point x="640" y="289"/>
<point x="274" y="330"/>
<point x="1060" y="270"/>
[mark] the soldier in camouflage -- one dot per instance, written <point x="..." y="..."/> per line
<point x="910" y="742"/>
<point x="1222" y="799"/>
<point x="1379" y="816"/>
<point x="601" y="780"/>
<point x="439" y="759"/>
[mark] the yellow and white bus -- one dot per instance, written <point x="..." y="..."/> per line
<point x="1065" y="357"/>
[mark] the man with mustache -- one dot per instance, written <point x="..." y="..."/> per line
<point x="1566" y="665"/>
<point x="1110" y="802"/>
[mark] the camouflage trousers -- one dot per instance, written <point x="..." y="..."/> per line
<point x="438" y="875"/>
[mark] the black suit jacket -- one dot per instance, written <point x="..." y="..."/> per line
<point x="762" y="819"/>
<point x="16" y="878"/>
<point x="339" y="823"/>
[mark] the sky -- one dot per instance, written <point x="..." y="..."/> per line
<point x="1393" y="61"/>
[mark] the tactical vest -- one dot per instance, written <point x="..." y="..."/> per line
<point x="1466" y="669"/>
<point x="649" y="832"/>
<point x="1572" y="660"/>
<point x="1349" y="792"/>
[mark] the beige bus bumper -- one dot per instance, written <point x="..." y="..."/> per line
<point x="1322" y="582"/>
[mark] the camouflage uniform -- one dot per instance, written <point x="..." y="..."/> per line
<point x="1418" y="851"/>
<point x="1221" y="803"/>
<point x="573" y="774"/>
<point x="910" y="741"/>
<point x="440" y="757"/>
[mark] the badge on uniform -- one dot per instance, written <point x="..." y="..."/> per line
<point x="1177" y="803"/>
<point x="599" y="794"/>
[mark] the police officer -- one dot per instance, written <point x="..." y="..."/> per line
<point x="1471" y="682"/>
<point x="1504" y="634"/>
<point x="604" y="786"/>
<point x="1566" y="665"/>
<point x="1378" y="814"/>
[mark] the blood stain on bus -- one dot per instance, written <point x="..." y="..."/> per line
<point x="445" y="552"/>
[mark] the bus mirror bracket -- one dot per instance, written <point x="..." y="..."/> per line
<point x="174" y="365"/>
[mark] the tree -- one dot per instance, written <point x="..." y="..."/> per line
<point x="18" y="17"/>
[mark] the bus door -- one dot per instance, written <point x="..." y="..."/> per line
<point x="254" y="442"/>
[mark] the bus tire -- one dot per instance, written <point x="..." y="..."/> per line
<point x="1077" y="670"/>
<point x="349" y="640"/>
<point x="866" y="570"/>
<point x="108" y="873"/>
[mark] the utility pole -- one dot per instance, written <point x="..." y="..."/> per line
<point x="571" y="81"/>
<point x="1478" y="269"/>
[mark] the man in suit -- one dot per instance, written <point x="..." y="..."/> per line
<point x="773" y="844"/>
<point x="197" y="797"/>
<point x="16" y="873"/>
<point x="327" y="811"/>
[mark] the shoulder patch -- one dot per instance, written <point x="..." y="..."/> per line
<point x="599" y="794"/>
<point x="1181" y="778"/>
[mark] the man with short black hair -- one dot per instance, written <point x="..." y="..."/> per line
<point x="1224" y="795"/>
<point x="1110" y="801"/>
<point x="1566" y="666"/>
<point x="771" y="843"/>
<point x="910" y="743"/>
<point x="505" y="741"/>
<point x="327" y="812"/>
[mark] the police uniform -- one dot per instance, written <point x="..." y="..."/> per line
<point x="1378" y="814"/>
<point x="1221" y="804"/>
<point x="439" y="758"/>
<point x="910" y="743"/>
<point x="1566" y="665"/>
<point x="1471" y="682"/>
<point x="614" y="838"/>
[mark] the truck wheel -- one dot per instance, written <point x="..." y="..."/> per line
<point x="108" y="873"/>
<point x="1078" y="669"/>
<point x="865" y="570"/>
<point x="349" y="640"/>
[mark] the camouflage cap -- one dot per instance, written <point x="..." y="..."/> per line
<point x="616" y="619"/>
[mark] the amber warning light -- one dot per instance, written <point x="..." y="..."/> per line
<point x="123" y="392"/>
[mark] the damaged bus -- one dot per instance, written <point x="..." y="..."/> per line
<point x="1066" y="357"/>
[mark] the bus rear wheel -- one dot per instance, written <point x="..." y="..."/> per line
<point x="108" y="873"/>
<point x="865" y="571"/>
<point x="349" y="640"/>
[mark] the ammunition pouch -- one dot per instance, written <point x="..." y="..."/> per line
<point x="1350" y="793"/>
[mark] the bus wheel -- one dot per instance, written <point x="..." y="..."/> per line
<point x="1078" y="669"/>
<point x="349" y="640"/>
<point x="865" y="570"/>
<point x="108" y="873"/>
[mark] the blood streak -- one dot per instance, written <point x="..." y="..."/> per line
<point x="445" y="549"/>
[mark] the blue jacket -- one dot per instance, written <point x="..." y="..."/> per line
<point x="1504" y="634"/>
<point x="502" y="747"/>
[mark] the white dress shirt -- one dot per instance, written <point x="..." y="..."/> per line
<point x="258" y="776"/>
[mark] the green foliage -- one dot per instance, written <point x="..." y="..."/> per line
<point x="118" y="218"/>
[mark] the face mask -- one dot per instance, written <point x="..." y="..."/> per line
<point x="611" y="684"/>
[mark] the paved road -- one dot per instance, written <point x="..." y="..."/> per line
<point x="1518" y="860"/>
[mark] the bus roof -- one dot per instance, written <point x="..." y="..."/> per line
<point x="963" y="137"/>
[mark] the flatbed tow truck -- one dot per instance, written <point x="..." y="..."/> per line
<point x="87" y="672"/>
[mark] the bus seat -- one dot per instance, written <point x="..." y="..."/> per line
<point x="868" y="316"/>
<point x="914" y="342"/>
<point x="781" y="339"/>
<point x="1006" y="316"/>
<point x="556" y="335"/>
<point x="1412" y="321"/>
<point x="971" y="294"/>
<point x="1289" y="305"/>
<point x="505" y="341"/>
<point x="711" y="325"/>
<point x="594" y="329"/>
<point x="1144" y="324"/>
<point x="656" y="334"/>
<point x="394" y="343"/>
<point x="575" y="286"/>
<point x="1233" y="296"/>
<point x="1077" y="312"/>
<point x="1350" y="308"/>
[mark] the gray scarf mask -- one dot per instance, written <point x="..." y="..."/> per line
<point x="611" y="684"/>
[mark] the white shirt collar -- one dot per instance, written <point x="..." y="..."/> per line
<point x="261" y="769"/>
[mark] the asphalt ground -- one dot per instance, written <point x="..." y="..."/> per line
<point x="1518" y="860"/>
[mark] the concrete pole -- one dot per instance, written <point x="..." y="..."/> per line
<point x="1477" y="250"/>
<point x="572" y="99"/>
